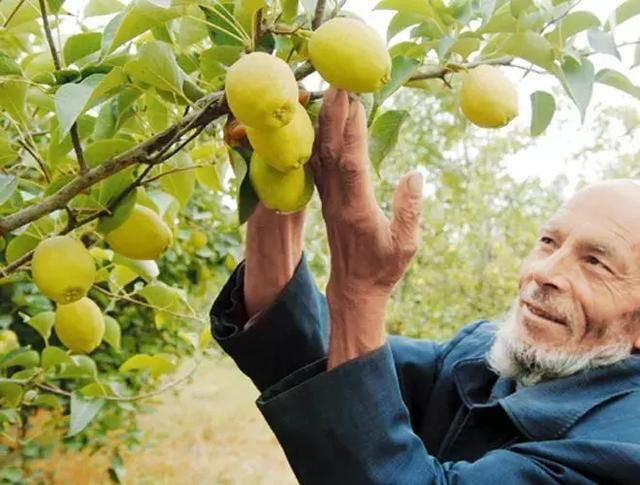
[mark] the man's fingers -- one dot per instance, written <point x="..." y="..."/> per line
<point x="331" y="123"/>
<point x="354" y="140"/>
<point x="407" y="208"/>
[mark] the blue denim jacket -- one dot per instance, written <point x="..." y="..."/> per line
<point x="421" y="412"/>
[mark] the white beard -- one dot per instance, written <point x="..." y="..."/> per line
<point x="529" y="364"/>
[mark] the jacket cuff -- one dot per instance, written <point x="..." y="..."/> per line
<point x="286" y="336"/>
<point x="347" y="425"/>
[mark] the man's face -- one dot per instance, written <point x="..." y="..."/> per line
<point x="579" y="287"/>
<point x="580" y="284"/>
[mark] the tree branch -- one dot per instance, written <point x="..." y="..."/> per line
<point x="75" y="138"/>
<point x="139" y="397"/>
<point x="13" y="12"/>
<point x="438" y="72"/>
<point x="149" y="151"/>
<point x="318" y="16"/>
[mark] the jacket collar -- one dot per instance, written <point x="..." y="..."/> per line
<point x="548" y="409"/>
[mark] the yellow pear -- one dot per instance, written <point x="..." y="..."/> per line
<point x="143" y="235"/>
<point x="79" y="325"/>
<point x="63" y="269"/>
<point x="288" y="147"/>
<point x="350" y="55"/>
<point x="8" y="341"/>
<point x="261" y="90"/>
<point x="487" y="97"/>
<point x="282" y="192"/>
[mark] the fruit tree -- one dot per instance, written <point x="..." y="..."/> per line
<point x="138" y="136"/>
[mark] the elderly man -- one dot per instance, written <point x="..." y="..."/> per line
<point x="551" y="394"/>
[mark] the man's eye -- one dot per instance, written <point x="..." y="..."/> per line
<point x="546" y="240"/>
<point x="595" y="261"/>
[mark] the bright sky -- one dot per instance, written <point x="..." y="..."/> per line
<point x="548" y="156"/>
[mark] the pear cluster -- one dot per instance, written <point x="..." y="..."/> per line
<point x="262" y="94"/>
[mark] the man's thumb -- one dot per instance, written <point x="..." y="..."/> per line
<point x="407" y="207"/>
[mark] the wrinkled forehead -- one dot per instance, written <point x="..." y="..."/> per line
<point x="608" y="210"/>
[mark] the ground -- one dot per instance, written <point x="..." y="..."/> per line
<point x="210" y="432"/>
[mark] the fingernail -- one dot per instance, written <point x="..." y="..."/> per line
<point x="415" y="183"/>
<point x="331" y="93"/>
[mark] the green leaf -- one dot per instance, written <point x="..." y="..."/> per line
<point x="112" y="332"/>
<point x="8" y="184"/>
<point x="465" y="46"/>
<point x="8" y="66"/>
<point x="48" y="401"/>
<point x="148" y="269"/>
<point x="520" y="6"/>
<point x="543" y="106"/>
<point x="83" y="411"/>
<point x="572" y="24"/>
<point x="81" y="367"/>
<point x="140" y="16"/>
<point x="179" y="184"/>
<point x="7" y="153"/>
<point x="383" y="135"/>
<point x="43" y="322"/>
<point x="401" y="21"/>
<point x="155" y="364"/>
<point x="81" y="45"/>
<point x="417" y="7"/>
<point x="531" y="47"/>
<point x="218" y="23"/>
<point x="21" y="358"/>
<point x="102" y="150"/>
<point x="10" y="393"/>
<point x="214" y="61"/>
<point x="52" y="356"/>
<point x="156" y="65"/>
<point x="161" y="295"/>
<point x="602" y="42"/>
<point x="402" y="69"/>
<point x="578" y="82"/>
<point x="120" y="214"/>
<point x="71" y="100"/>
<point x="13" y="98"/>
<point x="119" y="277"/>
<point x="96" y="8"/>
<point x="617" y="80"/>
<point x="27" y="12"/>
<point x="624" y="12"/>
<point x="500" y="22"/>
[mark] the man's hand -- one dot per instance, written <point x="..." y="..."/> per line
<point x="273" y="250"/>
<point x="369" y="253"/>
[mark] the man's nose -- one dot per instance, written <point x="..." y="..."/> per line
<point x="552" y="271"/>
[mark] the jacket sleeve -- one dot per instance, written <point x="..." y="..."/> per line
<point x="288" y="335"/>
<point x="350" y="425"/>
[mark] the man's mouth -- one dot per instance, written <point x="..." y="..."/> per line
<point x="543" y="313"/>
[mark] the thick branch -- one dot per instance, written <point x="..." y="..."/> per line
<point x="150" y="151"/>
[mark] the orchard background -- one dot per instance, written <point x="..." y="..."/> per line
<point x="105" y="105"/>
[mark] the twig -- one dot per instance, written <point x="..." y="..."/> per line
<point x="138" y="397"/>
<point x="77" y="147"/>
<point x="37" y="158"/>
<point x="148" y="305"/>
<point x="75" y="138"/>
<point x="318" y="16"/>
<point x="438" y="72"/>
<point x="173" y="170"/>
<point x="47" y="31"/>
<point x="13" y="12"/>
